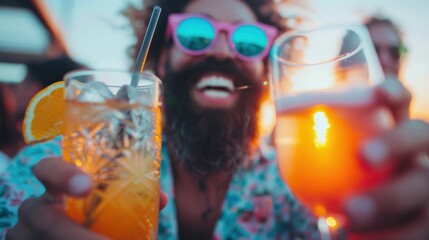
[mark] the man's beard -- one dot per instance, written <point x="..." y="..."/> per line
<point x="210" y="140"/>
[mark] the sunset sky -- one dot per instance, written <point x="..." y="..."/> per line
<point x="97" y="35"/>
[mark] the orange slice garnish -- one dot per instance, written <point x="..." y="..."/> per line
<point x="44" y="115"/>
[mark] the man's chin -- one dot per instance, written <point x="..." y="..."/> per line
<point x="211" y="134"/>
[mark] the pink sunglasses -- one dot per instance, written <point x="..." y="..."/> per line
<point x="195" y="34"/>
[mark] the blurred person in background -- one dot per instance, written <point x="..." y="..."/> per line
<point x="388" y="42"/>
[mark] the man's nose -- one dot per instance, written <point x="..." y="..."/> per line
<point x="221" y="49"/>
<point x="385" y="56"/>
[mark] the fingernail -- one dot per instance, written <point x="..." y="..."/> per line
<point x="375" y="152"/>
<point x="80" y="184"/>
<point x="360" y="209"/>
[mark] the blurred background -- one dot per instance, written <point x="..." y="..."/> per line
<point x="93" y="33"/>
<point x="97" y="35"/>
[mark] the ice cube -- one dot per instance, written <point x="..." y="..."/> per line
<point x="128" y="93"/>
<point x="95" y="92"/>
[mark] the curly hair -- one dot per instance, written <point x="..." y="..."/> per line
<point x="266" y="12"/>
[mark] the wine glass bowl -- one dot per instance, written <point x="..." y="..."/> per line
<point x="322" y="81"/>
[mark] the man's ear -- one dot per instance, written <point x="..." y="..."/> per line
<point x="162" y="63"/>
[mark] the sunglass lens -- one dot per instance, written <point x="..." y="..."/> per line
<point x="395" y="52"/>
<point x="195" y="33"/>
<point x="249" y="40"/>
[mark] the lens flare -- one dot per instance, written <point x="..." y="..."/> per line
<point x="331" y="222"/>
<point x="321" y="126"/>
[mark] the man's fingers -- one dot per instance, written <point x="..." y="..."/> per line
<point x="396" y="97"/>
<point x="60" y="177"/>
<point x="66" y="229"/>
<point x="409" y="138"/>
<point x="48" y="221"/>
<point x="388" y="205"/>
<point x="19" y="232"/>
<point x="36" y="214"/>
<point x="403" y="142"/>
<point x="414" y="230"/>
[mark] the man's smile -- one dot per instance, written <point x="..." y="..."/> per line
<point x="214" y="91"/>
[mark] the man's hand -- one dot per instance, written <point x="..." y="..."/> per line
<point x="399" y="209"/>
<point x="44" y="217"/>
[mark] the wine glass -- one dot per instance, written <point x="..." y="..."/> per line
<point x="322" y="81"/>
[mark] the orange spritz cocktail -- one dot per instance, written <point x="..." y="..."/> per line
<point x="114" y="135"/>
<point x="323" y="79"/>
<point x="317" y="146"/>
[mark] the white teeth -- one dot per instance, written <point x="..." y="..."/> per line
<point x="216" y="93"/>
<point x="215" y="81"/>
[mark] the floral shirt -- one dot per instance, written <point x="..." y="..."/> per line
<point x="4" y="162"/>
<point x="257" y="205"/>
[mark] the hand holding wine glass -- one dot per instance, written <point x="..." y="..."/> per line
<point x="329" y="102"/>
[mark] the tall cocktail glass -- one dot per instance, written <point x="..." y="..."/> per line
<point x="323" y="82"/>
<point x="113" y="133"/>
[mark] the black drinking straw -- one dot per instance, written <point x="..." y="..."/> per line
<point x="144" y="49"/>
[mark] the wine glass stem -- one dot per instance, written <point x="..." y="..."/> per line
<point x="330" y="233"/>
<point x="324" y="229"/>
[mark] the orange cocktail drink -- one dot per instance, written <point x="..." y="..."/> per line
<point x="318" y="151"/>
<point x="113" y="133"/>
<point x="324" y="80"/>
